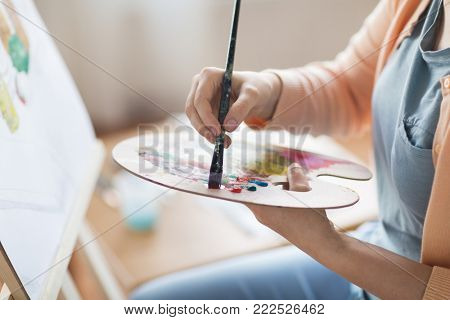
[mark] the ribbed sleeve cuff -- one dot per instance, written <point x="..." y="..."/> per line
<point x="292" y="92"/>
<point x="438" y="287"/>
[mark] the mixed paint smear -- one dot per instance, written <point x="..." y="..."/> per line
<point x="250" y="176"/>
<point x="15" y="44"/>
<point x="309" y="160"/>
<point x="199" y="172"/>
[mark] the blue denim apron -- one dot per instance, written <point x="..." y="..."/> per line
<point x="406" y="104"/>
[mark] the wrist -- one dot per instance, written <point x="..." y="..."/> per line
<point x="333" y="248"/>
<point x="273" y="95"/>
<point x="323" y="243"/>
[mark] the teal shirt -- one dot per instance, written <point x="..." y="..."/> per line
<point x="405" y="106"/>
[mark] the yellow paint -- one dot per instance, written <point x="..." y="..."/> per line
<point x="7" y="108"/>
<point x="271" y="163"/>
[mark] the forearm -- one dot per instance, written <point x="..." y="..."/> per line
<point x="381" y="272"/>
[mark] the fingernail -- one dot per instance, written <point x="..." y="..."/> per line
<point x="210" y="138"/>
<point x="231" y="125"/>
<point x="227" y="143"/>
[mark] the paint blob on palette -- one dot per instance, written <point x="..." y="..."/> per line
<point x="252" y="173"/>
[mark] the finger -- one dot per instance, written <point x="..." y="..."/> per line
<point x="193" y="116"/>
<point x="204" y="110"/>
<point x="191" y="94"/>
<point x="298" y="181"/>
<point x="189" y="107"/>
<point x="200" y="127"/>
<point x="208" y="86"/>
<point x="192" y="113"/>
<point x="227" y="142"/>
<point x="241" y="108"/>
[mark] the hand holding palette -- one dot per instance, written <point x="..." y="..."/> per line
<point x="252" y="173"/>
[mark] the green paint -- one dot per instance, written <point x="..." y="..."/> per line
<point x="251" y="188"/>
<point x="18" y="53"/>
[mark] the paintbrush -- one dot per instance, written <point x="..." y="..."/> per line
<point x="215" y="173"/>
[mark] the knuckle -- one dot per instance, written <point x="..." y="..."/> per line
<point x="203" y="131"/>
<point x="189" y="109"/>
<point x="251" y="91"/>
<point x="206" y="72"/>
<point x="195" y="78"/>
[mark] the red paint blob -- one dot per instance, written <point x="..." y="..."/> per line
<point x="236" y="190"/>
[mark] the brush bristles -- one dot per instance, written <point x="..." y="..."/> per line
<point x="215" y="180"/>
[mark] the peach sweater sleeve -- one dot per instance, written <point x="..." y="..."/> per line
<point x="436" y="239"/>
<point x="335" y="97"/>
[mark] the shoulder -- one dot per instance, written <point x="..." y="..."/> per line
<point x="393" y="7"/>
<point x="403" y="7"/>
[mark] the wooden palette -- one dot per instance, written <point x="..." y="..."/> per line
<point x="177" y="162"/>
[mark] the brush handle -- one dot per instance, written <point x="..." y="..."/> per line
<point x="215" y="175"/>
<point x="226" y="81"/>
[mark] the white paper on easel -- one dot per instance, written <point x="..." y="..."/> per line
<point x="45" y="140"/>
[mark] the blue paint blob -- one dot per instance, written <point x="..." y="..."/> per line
<point x="259" y="183"/>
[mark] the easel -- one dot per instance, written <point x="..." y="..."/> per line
<point x="59" y="279"/>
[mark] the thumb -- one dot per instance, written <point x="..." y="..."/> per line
<point x="240" y="108"/>
<point x="298" y="181"/>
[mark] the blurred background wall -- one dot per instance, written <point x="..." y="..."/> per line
<point x="156" y="46"/>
